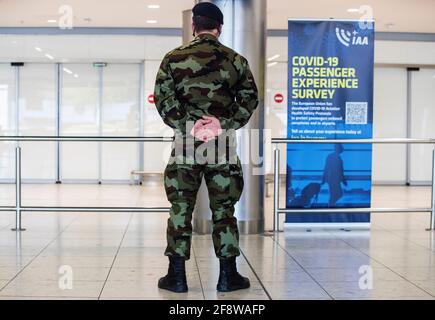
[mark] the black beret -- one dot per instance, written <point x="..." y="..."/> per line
<point x="209" y="10"/>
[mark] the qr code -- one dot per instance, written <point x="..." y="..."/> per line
<point x="356" y="112"/>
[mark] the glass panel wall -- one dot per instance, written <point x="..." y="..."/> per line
<point x="106" y="101"/>
<point x="276" y="109"/>
<point x="422" y="123"/>
<point x="8" y="123"/>
<point x="389" y="121"/>
<point x="120" y="117"/>
<point x="156" y="155"/>
<point x="79" y="117"/>
<point x="37" y="117"/>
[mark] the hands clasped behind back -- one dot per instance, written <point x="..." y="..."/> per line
<point x="206" y="129"/>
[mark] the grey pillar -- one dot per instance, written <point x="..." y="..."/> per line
<point x="244" y="31"/>
<point x="187" y="26"/>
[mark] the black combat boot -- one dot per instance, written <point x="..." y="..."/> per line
<point x="229" y="278"/>
<point x="175" y="280"/>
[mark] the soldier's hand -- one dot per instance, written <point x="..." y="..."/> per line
<point x="205" y="135"/>
<point x="214" y="125"/>
<point x="206" y="129"/>
<point x="198" y="125"/>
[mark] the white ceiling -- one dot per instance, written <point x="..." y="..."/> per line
<point x="404" y="15"/>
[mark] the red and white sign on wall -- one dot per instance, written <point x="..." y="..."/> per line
<point x="150" y="98"/>
<point x="279" y="98"/>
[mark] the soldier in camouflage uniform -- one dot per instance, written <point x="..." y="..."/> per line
<point x="201" y="84"/>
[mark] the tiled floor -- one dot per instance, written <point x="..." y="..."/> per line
<point x="119" y="256"/>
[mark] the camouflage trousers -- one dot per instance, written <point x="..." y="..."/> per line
<point x="224" y="183"/>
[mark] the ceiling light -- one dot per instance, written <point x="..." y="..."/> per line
<point x="273" y="57"/>
<point x="353" y="10"/>
<point x="67" y="70"/>
<point x="49" y="56"/>
<point x="151" y="21"/>
<point x="51" y="21"/>
<point x="272" y="64"/>
<point x="153" y="6"/>
<point x="76" y="75"/>
<point x="38" y="49"/>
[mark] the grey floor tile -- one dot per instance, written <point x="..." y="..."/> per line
<point x="427" y="285"/>
<point x="90" y="251"/>
<point x="255" y="292"/>
<point x="3" y="283"/>
<point x="73" y="261"/>
<point x="55" y="273"/>
<point x="380" y="290"/>
<point x="90" y="243"/>
<point x="352" y="274"/>
<point x="284" y="276"/>
<point x="391" y="298"/>
<point x="416" y="273"/>
<point x="7" y="273"/>
<point x="46" y="288"/>
<point x="13" y="250"/>
<point x="148" y="290"/>
<point x="337" y="262"/>
<point x="15" y="261"/>
<point x="295" y="290"/>
<point x="46" y="298"/>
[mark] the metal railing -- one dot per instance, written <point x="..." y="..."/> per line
<point x="277" y="211"/>
<point x="19" y="208"/>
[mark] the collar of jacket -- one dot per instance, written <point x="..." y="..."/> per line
<point x="208" y="36"/>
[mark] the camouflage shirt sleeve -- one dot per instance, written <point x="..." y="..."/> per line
<point x="246" y="99"/>
<point x="172" y="111"/>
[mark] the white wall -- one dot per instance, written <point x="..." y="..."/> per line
<point x="67" y="48"/>
<point x="408" y="53"/>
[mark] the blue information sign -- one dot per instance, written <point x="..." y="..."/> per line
<point x="330" y="96"/>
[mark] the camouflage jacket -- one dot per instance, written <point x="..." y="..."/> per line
<point x="205" y="78"/>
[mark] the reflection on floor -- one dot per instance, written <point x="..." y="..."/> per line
<point x="119" y="256"/>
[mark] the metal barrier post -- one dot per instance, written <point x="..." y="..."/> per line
<point x="432" y="214"/>
<point x="276" y="190"/>
<point x="18" y="190"/>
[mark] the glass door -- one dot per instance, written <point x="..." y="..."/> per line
<point x="389" y="121"/>
<point x="120" y="117"/>
<point x="8" y="123"/>
<point x="422" y="98"/>
<point x="79" y="116"/>
<point x="37" y="117"/>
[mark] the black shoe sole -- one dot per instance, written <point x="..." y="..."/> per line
<point x="175" y="291"/>
<point x="183" y="290"/>
<point x="233" y="288"/>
